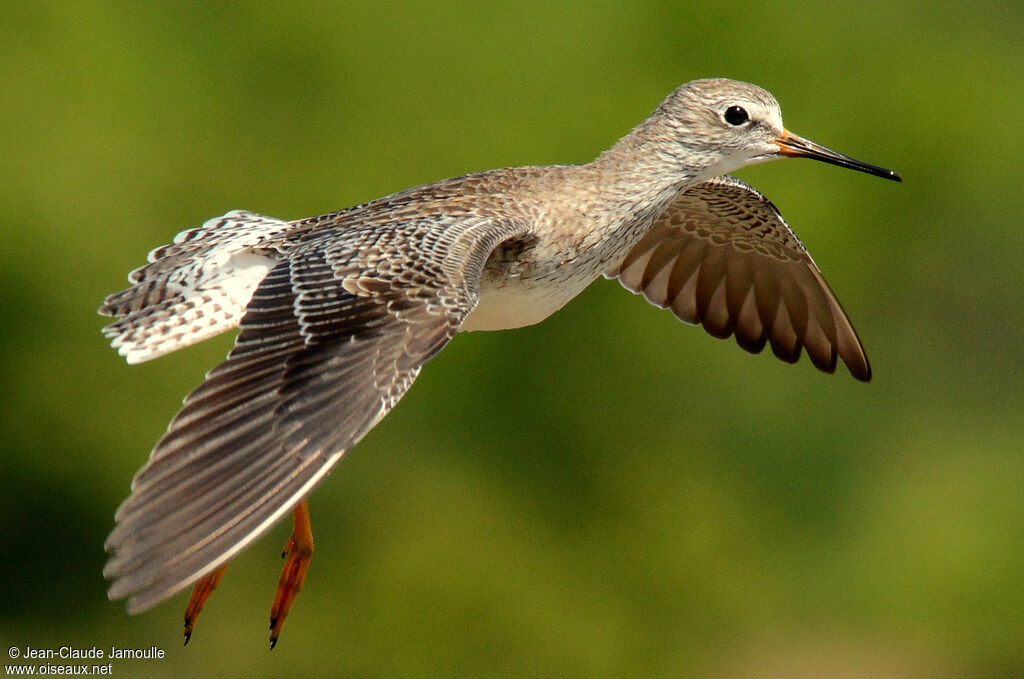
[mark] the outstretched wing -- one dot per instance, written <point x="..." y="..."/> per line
<point x="722" y="256"/>
<point x="331" y="339"/>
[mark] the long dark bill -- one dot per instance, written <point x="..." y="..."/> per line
<point x="796" y="146"/>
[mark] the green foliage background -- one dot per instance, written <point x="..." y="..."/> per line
<point x="610" y="493"/>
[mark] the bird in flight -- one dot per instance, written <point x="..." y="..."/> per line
<point x="338" y="313"/>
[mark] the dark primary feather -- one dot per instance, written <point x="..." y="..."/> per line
<point x="721" y="256"/>
<point x="332" y="338"/>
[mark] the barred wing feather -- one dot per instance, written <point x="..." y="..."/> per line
<point x="721" y="256"/>
<point x="330" y="340"/>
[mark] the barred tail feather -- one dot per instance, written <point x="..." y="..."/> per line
<point x="194" y="288"/>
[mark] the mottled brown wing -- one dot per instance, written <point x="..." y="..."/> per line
<point x="722" y="256"/>
<point x="332" y="338"/>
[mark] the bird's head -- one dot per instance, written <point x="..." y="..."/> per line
<point x="717" y="126"/>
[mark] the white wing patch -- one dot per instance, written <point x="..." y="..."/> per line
<point x="193" y="289"/>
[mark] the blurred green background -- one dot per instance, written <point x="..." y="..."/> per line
<point x="610" y="493"/>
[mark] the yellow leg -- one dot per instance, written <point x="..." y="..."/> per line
<point x="200" y="593"/>
<point x="299" y="551"/>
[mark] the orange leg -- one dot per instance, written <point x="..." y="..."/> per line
<point x="200" y="593"/>
<point x="298" y="550"/>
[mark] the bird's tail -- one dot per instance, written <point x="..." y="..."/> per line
<point x="194" y="288"/>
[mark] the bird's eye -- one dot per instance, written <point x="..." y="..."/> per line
<point x="736" y="115"/>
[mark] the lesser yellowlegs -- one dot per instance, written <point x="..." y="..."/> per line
<point x="339" y="312"/>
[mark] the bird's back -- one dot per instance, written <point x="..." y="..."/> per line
<point x="199" y="285"/>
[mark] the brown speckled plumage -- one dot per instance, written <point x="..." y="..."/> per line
<point x="337" y="313"/>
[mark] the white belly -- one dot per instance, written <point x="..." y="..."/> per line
<point x="515" y="306"/>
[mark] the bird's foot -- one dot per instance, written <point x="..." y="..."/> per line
<point x="298" y="551"/>
<point x="201" y="591"/>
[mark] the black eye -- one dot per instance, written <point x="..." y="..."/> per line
<point x="736" y="115"/>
